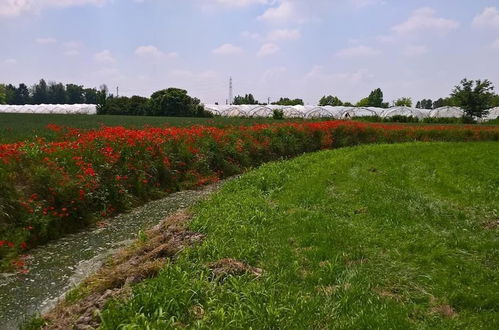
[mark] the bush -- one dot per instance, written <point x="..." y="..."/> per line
<point x="278" y="114"/>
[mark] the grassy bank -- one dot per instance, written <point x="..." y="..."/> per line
<point x="382" y="236"/>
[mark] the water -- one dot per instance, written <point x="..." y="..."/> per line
<point x="56" y="267"/>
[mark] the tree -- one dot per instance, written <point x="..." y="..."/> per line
<point x="74" y="94"/>
<point x="375" y="99"/>
<point x="289" y="102"/>
<point x="56" y="93"/>
<point x="90" y="95"/>
<point x="177" y="103"/>
<point x="474" y="97"/>
<point x="246" y="99"/>
<point x="10" y="94"/>
<point x="21" y="95"/>
<point x="425" y="104"/>
<point x="333" y="101"/>
<point x="3" y="96"/>
<point x="40" y="93"/>
<point x="363" y="103"/>
<point x="495" y="101"/>
<point x="403" y="102"/>
<point x="438" y="103"/>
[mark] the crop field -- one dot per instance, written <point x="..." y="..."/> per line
<point x="49" y="189"/>
<point x="372" y="237"/>
<point x="19" y="127"/>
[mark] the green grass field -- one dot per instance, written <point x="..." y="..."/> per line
<point x="373" y="237"/>
<point x="19" y="127"/>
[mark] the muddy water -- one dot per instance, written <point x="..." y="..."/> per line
<point x="58" y="266"/>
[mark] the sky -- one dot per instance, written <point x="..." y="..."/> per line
<point x="271" y="48"/>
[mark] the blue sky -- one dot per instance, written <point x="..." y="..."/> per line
<point x="271" y="48"/>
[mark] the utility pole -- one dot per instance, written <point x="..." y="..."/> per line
<point x="117" y="91"/>
<point x="268" y="101"/>
<point x="230" y="91"/>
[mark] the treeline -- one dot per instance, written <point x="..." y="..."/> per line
<point x="475" y="97"/>
<point x="250" y="99"/>
<point x="173" y="102"/>
<point x="51" y="93"/>
<point x="168" y="102"/>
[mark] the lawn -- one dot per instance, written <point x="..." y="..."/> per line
<point x="380" y="237"/>
<point x="18" y="127"/>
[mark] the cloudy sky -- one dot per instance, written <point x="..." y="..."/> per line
<point x="271" y="48"/>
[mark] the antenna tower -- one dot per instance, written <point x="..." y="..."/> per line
<point x="230" y="91"/>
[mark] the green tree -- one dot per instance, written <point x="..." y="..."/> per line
<point x="246" y="99"/>
<point x="3" y="95"/>
<point x="177" y="103"/>
<point x="90" y="95"/>
<point x="40" y="93"/>
<point x="330" y="100"/>
<point x="495" y="101"/>
<point x="376" y="99"/>
<point x="474" y="97"/>
<point x="288" y="102"/>
<point x="425" y="104"/>
<point x="363" y="103"/>
<point x="74" y="94"/>
<point x="438" y="103"/>
<point x="56" y="93"/>
<point x="21" y="95"/>
<point x="10" y="94"/>
<point x="403" y="101"/>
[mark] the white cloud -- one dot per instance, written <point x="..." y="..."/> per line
<point x="71" y="52"/>
<point x="18" y="7"/>
<point x="153" y="52"/>
<point x="366" y="3"/>
<point x="318" y="73"/>
<point x="489" y="18"/>
<point x="415" y="50"/>
<point x="72" y="48"/>
<point x="424" y="20"/>
<point x="104" y="57"/>
<point x="286" y="11"/>
<point x="495" y="44"/>
<point x="228" y="49"/>
<point x="357" y="51"/>
<point x="241" y="3"/>
<point x="45" y="41"/>
<point x="284" y="34"/>
<point x="251" y="35"/>
<point x="10" y="61"/>
<point x="268" y="49"/>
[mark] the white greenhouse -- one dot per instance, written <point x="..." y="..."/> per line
<point x="82" y="109"/>
<point x="446" y="112"/>
<point x="493" y="114"/>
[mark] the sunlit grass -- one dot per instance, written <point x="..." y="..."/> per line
<point x="385" y="236"/>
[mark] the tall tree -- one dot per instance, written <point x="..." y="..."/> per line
<point x="3" y="94"/>
<point x="74" y="94"/>
<point x="90" y="95"/>
<point x="474" y="97"/>
<point x="40" y="93"/>
<point x="246" y="99"/>
<point x="177" y="103"/>
<point x="56" y="93"/>
<point x="330" y="100"/>
<point x="376" y="99"/>
<point x="21" y="95"/>
<point x="10" y="94"/>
